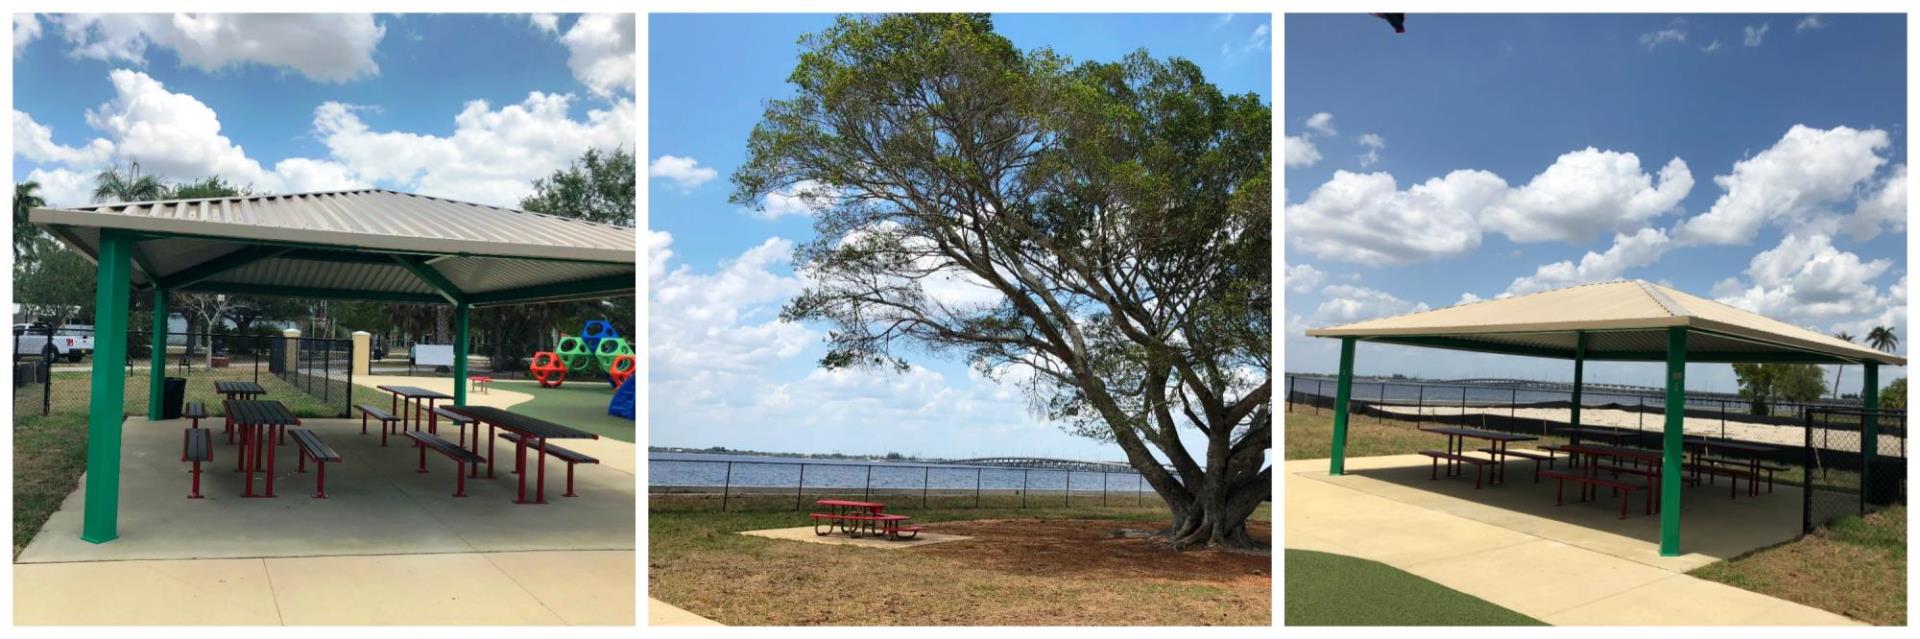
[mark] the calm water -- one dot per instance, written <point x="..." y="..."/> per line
<point x="752" y="471"/>
<point x="1454" y="395"/>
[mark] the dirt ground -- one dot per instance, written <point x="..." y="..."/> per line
<point x="1014" y="572"/>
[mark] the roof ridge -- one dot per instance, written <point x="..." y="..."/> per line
<point x="1673" y="308"/>
<point x="337" y="192"/>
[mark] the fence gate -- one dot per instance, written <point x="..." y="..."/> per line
<point x="1840" y="482"/>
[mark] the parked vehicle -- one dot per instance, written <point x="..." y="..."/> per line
<point x="71" y="342"/>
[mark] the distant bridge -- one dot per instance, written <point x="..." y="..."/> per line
<point x="1043" y="463"/>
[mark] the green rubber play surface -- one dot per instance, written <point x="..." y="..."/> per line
<point x="580" y="404"/>
<point x="1325" y="589"/>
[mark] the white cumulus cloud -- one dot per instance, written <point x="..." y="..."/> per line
<point x="328" y="47"/>
<point x="1628" y="252"/>
<point x="600" y="51"/>
<point x="1799" y="178"/>
<point x="1365" y="217"/>
<point x="683" y="172"/>
<point x="1322" y="123"/>
<point x="1300" y="151"/>
<point x="1756" y="35"/>
<point x="1805" y="280"/>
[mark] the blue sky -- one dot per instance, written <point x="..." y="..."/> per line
<point x="1759" y="160"/>
<point x="472" y="107"/>
<point x="724" y="371"/>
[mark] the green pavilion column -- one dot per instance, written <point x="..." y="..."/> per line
<point x="1343" y="391"/>
<point x="460" y="314"/>
<point x="157" y="367"/>
<point x="1869" y="431"/>
<point x="1671" y="463"/>
<point x="1579" y="376"/>
<point x="101" y="516"/>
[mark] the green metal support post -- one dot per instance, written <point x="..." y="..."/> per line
<point x="1343" y="391"/>
<point x="1579" y="375"/>
<point x="100" y="520"/>
<point x="1869" y="430"/>
<point x="1671" y="463"/>
<point x="461" y="311"/>
<point x="157" y="361"/>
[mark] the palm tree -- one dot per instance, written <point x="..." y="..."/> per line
<point x="1839" y="368"/>
<point x="1882" y="337"/>
<point x="113" y="185"/>
<point x="24" y="201"/>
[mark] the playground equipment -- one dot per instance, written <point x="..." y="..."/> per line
<point x="622" y="404"/>
<point x="596" y="330"/>
<point x="548" y="369"/>
<point x="622" y="369"/>
<point x="574" y="352"/>
<point x="611" y="348"/>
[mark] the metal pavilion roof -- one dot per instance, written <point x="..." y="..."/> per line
<point x="368" y="244"/>
<point x="1622" y="321"/>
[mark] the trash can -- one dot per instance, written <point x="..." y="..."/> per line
<point x="174" y="394"/>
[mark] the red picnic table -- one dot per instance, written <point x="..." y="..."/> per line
<point x="861" y="517"/>
<point x="415" y="396"/>
<point x="259" y="422"/>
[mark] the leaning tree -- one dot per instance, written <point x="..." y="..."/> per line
<point x="1098" y="233"/>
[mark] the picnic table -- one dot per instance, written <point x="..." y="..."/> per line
<point x="237" y="390"/>
<point x="1652" y="458"/>
<point x="533" y="432"/>
<point x="1753" y="451"/>
<point x="414" y="395"/>
<point x="259" y="421"/>
<point x="1456" y="447"/>
<point x="860" y="517"/>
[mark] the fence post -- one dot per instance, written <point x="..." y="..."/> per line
<point x="1381" y="417"/>
<point x="797" y="490"/>
<point x="1103" y="489"/>
<point x="1023" y="488"/>
<point x="1069" y="489"/>
<point x="1420" y="406"/>
<point x="869" y="493"/>
<point x="1513" y="405"/>
<point x="1806" y="479"/>
<point x="1319" y="389"/>
<point x="346" y="403"/>
<point x="1463" y="404"/>
<point x="16" y="349"/>
<point x="1642" y="425"/>
<point x="926" y="479"/>
<point x="976" y="488"/>
<point x="726" y="488"/>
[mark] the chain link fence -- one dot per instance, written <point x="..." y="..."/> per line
<point x="53" y="370"/>
<point x="1846" y="474"/>
<point x="735" y="485"/>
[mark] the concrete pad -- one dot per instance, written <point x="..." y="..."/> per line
<point x="377" y="505"/>
<point x="446" y="589"/>
<point x="1684" y="600"/>
<point x="805" y="534"/>
<point x="1540" y="577"/>
<point x="149" y="593"/>
<point x="660" y="613"/>
<point x="1577" y="564"/>
<point x="583" y="588"/>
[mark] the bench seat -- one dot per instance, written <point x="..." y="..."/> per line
<point x="1538" y="459"/>
<point x="571" y="457"/>
<point x="1479" y="464"/>
<point x="312" y="448"/>
<point x="195" y="411"/>
<point x="1560" y="487"/>
<point x="461" y="457"/>
<point x="196" y="447"/>
<point x="387" y="420"/>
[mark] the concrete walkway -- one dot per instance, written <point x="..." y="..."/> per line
<point x="515" y="588"/>
<point x="1560" y="572"/>
<point x="660" y="613"/>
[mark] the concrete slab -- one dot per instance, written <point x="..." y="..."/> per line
<point x="660" y="613"/>
<point x="462" y="589"/>
<point x="806" y="534"/>
<point x="377" y="505"/>
<point x="583" y="588"/>
<point x="151" y="593"/>
<point x="1562" y="566"/>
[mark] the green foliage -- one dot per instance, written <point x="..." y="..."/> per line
<point x="1883" y="338"/>
<point x="1894" y="396"/>
<point x="25" y="199"/>
<point x="127" y="185"/>
<point x="1763" y="384"/>
<point x="598" y="187"/>
<point x="212" y="186"/>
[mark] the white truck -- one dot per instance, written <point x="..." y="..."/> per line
<point x="72" y="342"/>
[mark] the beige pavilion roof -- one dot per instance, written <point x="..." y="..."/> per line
<point x="1621" y="320"/>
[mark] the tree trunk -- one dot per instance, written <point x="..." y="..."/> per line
<point x="1218" y="516"/>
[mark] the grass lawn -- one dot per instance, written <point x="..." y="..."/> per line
<point x="581" y="404"/>
<point x="1336" y="590"/>
<point x="72" y="393"/>
<point x="1857" y="567"/>
<point x="1038" y="566"/>
<point x="49" y="454"/>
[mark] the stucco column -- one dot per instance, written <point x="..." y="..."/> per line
<point x="362" y="351"/>
<point x="291" y="354"/>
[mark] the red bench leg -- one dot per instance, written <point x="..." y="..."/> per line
<point x="569" y="481"/>
<point x="1478" y="470"/>
<point x="1624" y="496"/>
<point x="320" y="490"/>
<point x="196" y="483"/>
<point x="363" y="423"/>
<point x="302" y="466"/>
<point x="1559" y="491"/>
<point x="1434" y="475"/>
<point x="459" y="479"/>
<point x="423" y="457"/>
